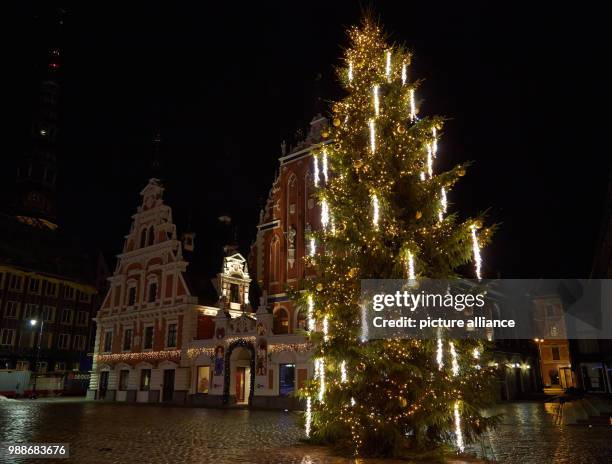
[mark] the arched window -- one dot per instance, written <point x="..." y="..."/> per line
<point x="235" y="293"/>
<point x="152" y="292"/>
<point x="302" y="320"/>
<point x="151" y="236"/>
<point x="274" y="259"/>
<point x="281" y="321"/>
<point x="143" y="237"/>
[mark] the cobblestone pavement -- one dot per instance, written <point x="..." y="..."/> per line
<point x="116" y="433"/>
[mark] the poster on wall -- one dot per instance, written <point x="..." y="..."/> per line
<point x="219" y="352"/>
<point x="262" y="358"/>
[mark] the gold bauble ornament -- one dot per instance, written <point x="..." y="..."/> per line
<point x="358" y="163"/>
<point x="400" y="128"/>
<point x="478" y="224"/>
<point x="353" y="272"/>
<point x="418" y="215"/>
<point x="324" y="134"/>
<point x="336" y="122"/>
<point x="319" y="287"/>
<point x="461" y="172"/>
<point x="361" y="367"/>
<point x="336" y="146"/>
<point x="403" y="401"/>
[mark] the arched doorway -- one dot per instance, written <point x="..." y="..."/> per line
<point x="239" y="373"/>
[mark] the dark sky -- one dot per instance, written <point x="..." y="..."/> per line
<point x="226" y="82"/>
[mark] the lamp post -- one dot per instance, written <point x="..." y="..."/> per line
<point x="33" y="322"/>
<point x="538" y="342"/>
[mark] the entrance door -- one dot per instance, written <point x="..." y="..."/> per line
<point x="286" y="375"/>
<point x="103" y="384"/>
<point x="168" y="391"/>
<point x="240" y="384"/>
<point x="567" y="380"/>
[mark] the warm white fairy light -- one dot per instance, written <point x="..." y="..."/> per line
<point x="440" y="353"/>
<point x="476" y="249"/>
<point x="376" y="100"/>
<point x="404" y="74"/>
<point x="423" y="175"/>
<point x="321" y="380"/>
<point x="324" y="214"/>
<point x="434" y="144"/>
<point x="325" y="165"/>
<point x="311" y="320"/>
<point x="410" y="266"/>
<point x="454" y="363"/>
<point x="325" y="329"/>
<point x="364" y="323"/>
<point x="388" y="66"/>
<point x="476" y="355"/>
<point x="313" y="247"/>
<point x="443" y="204"/>
<point x="353" y="403"/>
<point x="458" y="433"/>
<point x="372" y="136"/>
<point x="350" y="71"/>
<point x="412" y="106"/>
<point x="315" y="161"/>
<point x="308" y="421"/>
<point x="429" y="161"/>
<point x="375" y="211"/>
<point x="343" y="375"/>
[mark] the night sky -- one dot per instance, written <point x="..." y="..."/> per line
<point x="226" y="82"/>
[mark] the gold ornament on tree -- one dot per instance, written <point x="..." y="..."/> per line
<point x="319" y="287"/>
<point x="418" y="215"/>
<point x="400" y="128"/>
<point x="337" y="122"/>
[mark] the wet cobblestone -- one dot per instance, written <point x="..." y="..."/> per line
<point x="115" y="433"/>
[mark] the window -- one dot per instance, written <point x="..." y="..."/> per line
<point x="131" y="296"/>
<point x="286" y="378"/>
<point x="555" y="353"/>
<point x="76" y="366"/>
<point x="143" y="237"/>
<point x="47" y="340"/>
<point x="22" y="365"/>
<point x="34" y="286"/>
<point x="152" y="292"/>
<point x="12" y="310"/>
<point x="148" y="338"/>
<point x="171" y="340"/>
<point x="68" y="293"/>
<point x="81" y="318"/>
<point x="84" y="297"/>
<point x="1" y="280"/>
<point x="79" y="342"/>
<point x="203" y="379"/>
<point x="67" y="316"/>
<point x="60" y="366"/>
<point x="108" y="341"/>
<point x="15" y="282"/>
<point x="124" y="375"/>
<point x="48" y="313"/>
<point x="274" y="259"/>
<point x="50" y="289"/>
<point x="26" y="339"/>
<point x="234" y="293"/>
<point x="41" y="367"/>
<point x="7" y="337"/>
<point x="302" y="320"/>
<point x="63" y="343"/>
<point x="127" y="340"/>
<point x="30" y="311"/>
<point x="145" y="379"/>
<point x="151" y="236"/>
<point x="281" y="321"/>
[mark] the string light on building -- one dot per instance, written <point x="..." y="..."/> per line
<point x="476" y="250"/>
<point x="388" y="66"/>
<point x="372" y="136"/>
<point x="443" y="204"/>
<point x="412" y="106"/>
<point x="376" y="100"/>
<point x="308" y="420"/>
<point x="375" y="211"/>
<point x="458" y="432"/>
<point x="325" y="165"/>
<point x="343" y="375"/>
<point x="454" y="363"/>
<point x="315" y="161"/>
<point x="325" y="329"/>
<point x="324" y="214"/>
<point x="311" y="320"/>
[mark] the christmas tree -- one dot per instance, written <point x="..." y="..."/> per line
<point x="384" y="216"/>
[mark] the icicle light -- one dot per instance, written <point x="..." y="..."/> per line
<point x="458" y="433"/>
<point x="325" y="165"/>
<point x="404" y="74"/>
<point x="313" y="247"/>
<point x="325" y="329"/>
<point x="308" y="421"/>
<point x="350" y="71"/>
<point x="372" y="136"/>
<point x="324" y="214"/>
<point x="477" y="257"/>
<point x="410" y="266"/>
<point x="375" y="211"/>
<point x="423" y="175"/>
<point x="443" y="204"/>
<point x="364" y="323"/>
<point x="343" y="376"/>
<point x="429" y="161"/>
<point x="454" y="363"/>
<point x="376" y="100"/>
<point x="315" y="162"/>
<point x="321" y="380"/>
<point x="412" y="106"/>
<point x="388" y="66"/>
<point x="435" y="141"/>
<point x="311" y="321"/>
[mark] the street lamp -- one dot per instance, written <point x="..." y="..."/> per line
<point x="33" y="323"/>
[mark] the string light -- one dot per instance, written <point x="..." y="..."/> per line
<point x="290" y="347"/>
<point x="325" y="329"/>
<point x="404" y="74"/>
<point x="443" y="204"/>
<point x="321" y="380"/>
<point x="375" y="212"/>
<point x="325" y="165"/>
<point x="410" y="266"/>
<point x="388" y="66"/>
<point x="454" y="363"/>
<point x="372" y="136"/>
<point x="313" y="247"/>
<point x="435" y="141"/>
<point x="316" y="170"/>
<point x="440" y="353"/>
<point x="350" y="71"/>
<point x="476" y="249"/>
<point x="311" y="321"/>
<point x="458" y="433"/>
<point x="423" y="175"/>
<point x="412" y="106"/>
<point x="376" y="100"/>
<point x="343" y="375"/>
<point x="429" y="161"/>
<point x="324" y="214"/>
<point x="308" y="416"/>
<point x="364" y="323"/>
<point x="476" y="355"/>
<point x="353" y="401"/>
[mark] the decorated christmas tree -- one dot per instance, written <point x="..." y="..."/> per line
<point x="384" y="216"/>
